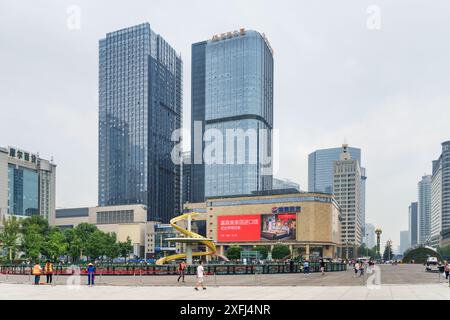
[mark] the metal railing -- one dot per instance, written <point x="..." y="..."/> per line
<point x="217" y="269"/>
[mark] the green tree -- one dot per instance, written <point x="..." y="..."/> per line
<point x="444" y="251"/>
<point x="280" y="251"/>
<point x="263" y="251"/>
<point x="9" y="237"/>
<point x="125" y="248"/>
<point x="83" y="233"/>
<point x="234" y="252"/>
<point x="97" y="244"/>
<point x="38" y="223"/>
<point x="112" y="246"/>
<point x="73" y="244"/>
<point x="388" y="253"/>
<point x="56" y="244"/>
<point x="33" y="241"/>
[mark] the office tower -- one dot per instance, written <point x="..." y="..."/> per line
<point x="347" y="192"/>
<point x="404" y="241"/>
<point x="424" y="205"/>
<point x="320" y="175"/>
<point x="413" y="223"/>
<point x="186" y="181"/>
<point x="140" y="105"/>
<point x="440" y="198"/>
<point x="370" y="235"/>
<point x="279" y="184"/>
<point x="320" y="168"/>
<point x="232" y="92"/>
<point x="27" y="184"/>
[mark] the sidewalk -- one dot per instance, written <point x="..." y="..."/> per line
<point x="386" y="292"/>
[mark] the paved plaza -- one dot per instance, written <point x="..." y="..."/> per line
<point x="397" y="282"/>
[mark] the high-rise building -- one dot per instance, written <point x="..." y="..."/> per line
<point x="186" y="188"/>
<point x="370" y="235"/>
<point x="404" y="241"/>
<point x="347" y="192"/>
<point x="27" y="184"/>
<point x="232" y="92"/>
<point x="320" y="168"/>
<point x="440" y="198"/>
<point x="140" y="106"/>
<point x="279" y="184"/>
<point x="413" y="223"/>
<point x="320" y="175"/>
<point x="424" y="206"/>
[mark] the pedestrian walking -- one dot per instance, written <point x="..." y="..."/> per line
<point x="200" y="271"/>
<point x="291" y="265"/>
<point x="48" y="270"/>
<point x="446" y="269"/>
<point x="181" y="270"/>
<point x="361" y="268"/>
<point x="37" y="270"/>
<point x="91" y="274"/>
<point x="356" y="267"/>
<point x="306" y="267"/>
<point x="322" y="267"/>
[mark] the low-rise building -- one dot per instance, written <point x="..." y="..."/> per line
<point x="309" y="223"/>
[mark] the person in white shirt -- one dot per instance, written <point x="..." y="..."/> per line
<point x="200" y="276"/>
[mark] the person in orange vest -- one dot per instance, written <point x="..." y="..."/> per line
<point x="37" y="270"/>
<point x="48" y="270"/>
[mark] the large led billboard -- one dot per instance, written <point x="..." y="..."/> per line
<point x="245" y="228"/>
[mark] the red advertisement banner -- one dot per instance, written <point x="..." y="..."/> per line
<point x="238" y="228"/>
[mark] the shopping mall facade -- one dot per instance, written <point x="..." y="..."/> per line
<point x="309" y="223"/>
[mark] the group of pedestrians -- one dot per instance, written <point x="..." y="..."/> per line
<point x="360" y="267"/>
<point x="37" y="271"/>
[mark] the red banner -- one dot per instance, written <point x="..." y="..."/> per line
<point x="238" y="228"/>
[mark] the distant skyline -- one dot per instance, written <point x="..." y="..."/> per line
<point x="384" y="89"/>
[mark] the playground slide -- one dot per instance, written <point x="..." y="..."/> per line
<point x="211" y="247"/>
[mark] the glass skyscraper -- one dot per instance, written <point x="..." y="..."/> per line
<point x="140" y="105"/>
<point x="232" y="89"/>
<point x="424" y="210"/>
<point x="413" y="228"/>
<point x="320" y="168"/>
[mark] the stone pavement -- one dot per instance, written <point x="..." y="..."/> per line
<point x="405" y="282"/>
<point x="400" y="274"/>
<point x="385" y="292"/>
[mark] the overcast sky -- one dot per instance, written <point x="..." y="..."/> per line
<point x="383" y="88"/>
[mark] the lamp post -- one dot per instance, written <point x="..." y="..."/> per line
<point x="378" y="232"/>
<point x="367" y="247"/>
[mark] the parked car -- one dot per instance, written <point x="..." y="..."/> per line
<point x="432" y="264"/>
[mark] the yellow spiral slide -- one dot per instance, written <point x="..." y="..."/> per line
<point x="191" y="237"/>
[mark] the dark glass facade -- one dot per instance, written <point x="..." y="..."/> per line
<point x="140" y="105"/>
<point x="23" y="191"/>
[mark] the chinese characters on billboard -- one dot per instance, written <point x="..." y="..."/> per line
<point x="275" y="226"/>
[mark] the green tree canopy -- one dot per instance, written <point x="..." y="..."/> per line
<point x="233" y="252"/>
<point x="263" y="251"/>
<point x="125" y="248"/>
<point x="9" y="237"/>
<point x="33" y="242"/>
<point x="280" y="251"/>
<point x="388" y="254"/>
<point x="56" y="244"/>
